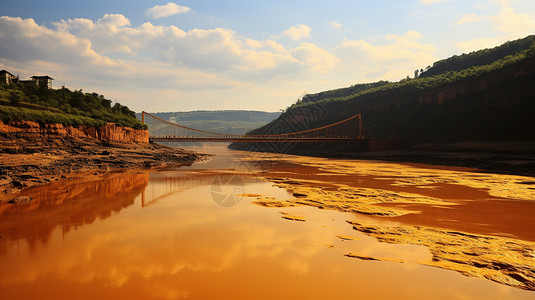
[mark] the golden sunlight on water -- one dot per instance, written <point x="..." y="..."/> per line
<point x="169" y="235"/>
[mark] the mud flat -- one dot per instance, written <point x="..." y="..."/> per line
<point x="33" y="159"/>
<point x="515" y="157"/>
<point x="478" y="224"/>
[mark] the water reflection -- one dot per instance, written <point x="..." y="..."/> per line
<point x="68" y="205"/>
<point x="167" y="183"/>
<point x="162" y="236"/>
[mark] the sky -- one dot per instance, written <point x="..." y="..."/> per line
<point x="188" y="55"/>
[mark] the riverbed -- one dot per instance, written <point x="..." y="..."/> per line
<point x="247" y="225"/>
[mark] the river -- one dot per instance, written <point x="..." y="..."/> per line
<point x="269" y="226"/>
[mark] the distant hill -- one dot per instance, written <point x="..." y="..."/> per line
<point x="223" y="121"/>
<point x="483" y="95"/>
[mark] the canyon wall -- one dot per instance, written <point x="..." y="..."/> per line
<point x="110" y="132"/>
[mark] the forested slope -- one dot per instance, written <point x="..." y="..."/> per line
<point x="19" y="101"/>
<point x="484" y="95"/>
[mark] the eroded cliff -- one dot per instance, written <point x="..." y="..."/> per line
<point x="110" y="132"/>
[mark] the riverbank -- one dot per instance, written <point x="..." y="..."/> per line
<point x="334" y="227"/>
<point x="514" y="158"/>
<point x="28" y="160"/>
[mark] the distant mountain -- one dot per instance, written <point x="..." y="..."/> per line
<point x="223" y="121"/>
<point x="483" y="95"/>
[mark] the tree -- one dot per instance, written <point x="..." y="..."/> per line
<point x="15" y="98"/>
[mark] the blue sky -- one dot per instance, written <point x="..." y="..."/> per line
<point x="201" y="54"/>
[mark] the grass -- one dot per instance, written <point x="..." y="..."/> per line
<point x="11" y="113"/>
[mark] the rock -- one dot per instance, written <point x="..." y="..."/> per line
<point x="363" y="257"/>
<point x="21" y="200"/>
<point x="5" y="180"/>
<point x="299" y="195"/>
<point x="113" y="133"/>
<point x="17" y="183"/>
<point x="55" y="128"/>
<point x="27" y="126"/>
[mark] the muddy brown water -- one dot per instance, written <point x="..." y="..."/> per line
<point x="194" y="233"/>
<point x="475" y="210"/>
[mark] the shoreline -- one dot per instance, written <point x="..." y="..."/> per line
<point x="392" y="192"/>
<point x="28" y="160"/>
<point x="512" y="158"/>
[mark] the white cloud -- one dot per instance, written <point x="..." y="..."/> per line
<point x="511" y="22"/>
<point x="391" y="61"/>
<point x="467" y="18"/>
<point x="335" y="24"/>
<point x="510" y="25"/>
<point x="23" y="39"/>
<point x="507" y="20"/>
<point x="297" y="32"/>
<point x="315" y="57"/>
<point x="110" y="56"/>
<point x="160" y="11"/>
<point x="274" y="46"/>
<point x="198" y="48"/>
<point x="427" y="2"/>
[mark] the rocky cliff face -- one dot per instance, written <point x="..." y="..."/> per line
<point x="110" y="132"/>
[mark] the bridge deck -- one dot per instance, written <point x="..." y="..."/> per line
<point x="252" y="139"/>
<point x="347" y="130"/>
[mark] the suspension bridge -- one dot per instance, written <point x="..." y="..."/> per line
<point x="160" y="130"/>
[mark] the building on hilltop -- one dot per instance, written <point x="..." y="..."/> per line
<point x="45" y="81"/>
<point x="7" y="78"/>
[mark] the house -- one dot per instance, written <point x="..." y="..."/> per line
<point x="7" y="78"/>
<point x="45" y="81"/>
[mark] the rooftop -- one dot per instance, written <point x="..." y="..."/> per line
<point x="45" y="77"/>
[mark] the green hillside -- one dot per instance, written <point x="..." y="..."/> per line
<point x="479" y="58"/>
<point x="488" y="94"/>
<point x="19" y="101"/>
<point x="517" y="51"/>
